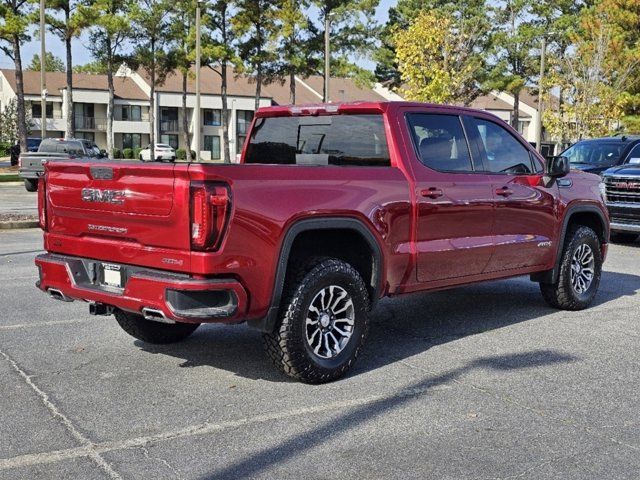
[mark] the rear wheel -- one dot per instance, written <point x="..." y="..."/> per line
<point x="623" y="237"/>
<point x="31" y="185"/>
<point x="153" y="332"/>
<point x="324" y="322"/>
<point x="580" y="270"/>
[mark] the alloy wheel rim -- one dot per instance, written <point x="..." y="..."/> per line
<point x="330" y="321"/>
<point x="582" y="269"/>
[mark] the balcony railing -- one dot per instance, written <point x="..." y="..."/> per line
<point x="168" y="126"/>
<point x="82" y="122"/>
<point x="143" y="118"/>
<point x="55" y="115"/>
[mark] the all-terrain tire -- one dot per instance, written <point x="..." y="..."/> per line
<point x="623" y="237"/>
<point x="563" y="294"/>
<point x="31" y="185"/>
<point x="153" y="332"/>
<point x="288" y="346"/>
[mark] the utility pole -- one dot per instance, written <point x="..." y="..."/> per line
<point x="43" y="77"/>
<point x="543" y="48"/>
<point x="327" y="56"/>
<point x="196" y="117"/>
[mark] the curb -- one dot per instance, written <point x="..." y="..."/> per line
<point x="17" y="224"/>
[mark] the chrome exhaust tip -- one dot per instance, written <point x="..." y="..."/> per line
<point x="155" y="315"/>
<point x="58" y="295"/>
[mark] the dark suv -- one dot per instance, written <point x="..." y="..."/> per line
<point x="597" y="154"/>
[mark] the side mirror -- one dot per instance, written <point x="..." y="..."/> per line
<point x="556" y="167"/>
<point x="103" y="153"/>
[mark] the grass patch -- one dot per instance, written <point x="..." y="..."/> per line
<point x="11" y="177"/>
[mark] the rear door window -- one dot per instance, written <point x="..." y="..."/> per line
<point x="347" y="140"/>
<point x="503" y="153"/>
<point x="440" y="142"/>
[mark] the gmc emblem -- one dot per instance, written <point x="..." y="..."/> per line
<point x="115" y="197"/>
<point x="627" y="185"/>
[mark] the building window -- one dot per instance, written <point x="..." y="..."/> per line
<point x="169" y="119"/>
<point x="36" y="110"/>
<point x="132" y="113"/>
<point x="212" y="144"/>
<point x="243" y="120"/>
<point x="131" y="140"/>
<point x="171" y="140"/>
<point x="86" y="135"/>
<point x="212" y="118"/>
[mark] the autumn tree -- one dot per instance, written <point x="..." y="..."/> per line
<point x="66" y="27"/>
<point x="51" y="63"/>
<point x="437" y="60"/>
<point x="14" y="24"/>
<point x="110" y="29"/>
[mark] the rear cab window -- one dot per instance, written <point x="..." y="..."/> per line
<point x="341" y="140"/>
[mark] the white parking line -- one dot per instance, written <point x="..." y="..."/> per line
<point x="85" y="442"/>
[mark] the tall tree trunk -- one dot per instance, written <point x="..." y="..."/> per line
<point x="22" y="119"/>
<point x="110" y="102"/>
<point x="185" y="120"/>
<point x="70" y="133"/>
<point x="516" y="110"/>
<point x="258" y="87"/>
<point x="225" y="113"/>
<point x="292" y="87"/>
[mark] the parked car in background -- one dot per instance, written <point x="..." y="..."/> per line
<point x="598" y="154"/>
<point x="33" y="143"/>
<point x="31" y="164"/>
<point x="331" y="208"/>
<point x="162" y="152"/>
<point x="622" y="194"/>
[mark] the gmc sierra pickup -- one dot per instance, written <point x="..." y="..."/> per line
<point x="331" y="208"/>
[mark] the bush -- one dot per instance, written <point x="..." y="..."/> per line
<point x="181" y="154"/>
<point x="116" y="153"/>
<point x="127" y="153"/>
<point x="136" y="152"/>
<point x="4" y="149"/>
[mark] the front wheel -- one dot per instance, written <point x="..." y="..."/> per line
<point x="324" y="322"/>
<point x="580" y="271"/>
<point x="153" y="332"/>
<point x="31" y="185"/>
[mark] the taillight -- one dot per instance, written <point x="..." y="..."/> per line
<point x="42" y="203"/>
<point x="210" y="205"/>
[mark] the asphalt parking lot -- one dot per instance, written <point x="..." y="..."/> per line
<point x="482" y="382"/>
<point x="15" y="199"/>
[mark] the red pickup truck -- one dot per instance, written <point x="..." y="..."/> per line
<point x="331" y="208"/>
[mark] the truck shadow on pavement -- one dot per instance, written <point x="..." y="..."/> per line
<point x="400" y="327"/>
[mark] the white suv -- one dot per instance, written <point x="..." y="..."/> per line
<point x="162" y="152"/>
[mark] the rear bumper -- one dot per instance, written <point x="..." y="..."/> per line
<point x="30" y="174"/>
<point x="175" y="297"/>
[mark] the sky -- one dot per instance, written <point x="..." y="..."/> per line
<point x="81" y="54"/>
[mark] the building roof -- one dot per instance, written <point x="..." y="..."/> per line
<point x="343" y="89"/>
<point x="490" y="102"/>
<point x="125" y="88"/>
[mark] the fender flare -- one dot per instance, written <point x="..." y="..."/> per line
<point x="268" y="323"/>
<point x="551" y="276"/>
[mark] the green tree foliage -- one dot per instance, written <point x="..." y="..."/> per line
<point x="514" y="38"/>
<point x="14" y="23"/>
<point x="51" y="63"/>
<point x="66" y="24"/>
<point x="110" y="29"/>
<point x="296" y="43"/>
<point x="353" y="32"/>
<point x="151" y="26"/>
<point x="96" y="67"/>
<point x="255" y="25"/>
<point x="219" y="51"/>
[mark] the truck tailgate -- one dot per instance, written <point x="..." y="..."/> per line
<point x="140" y="204"/>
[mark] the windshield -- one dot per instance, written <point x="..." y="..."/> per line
<point x="594" y="153"/>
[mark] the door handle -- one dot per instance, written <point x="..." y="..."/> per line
<point x="432" y="192"/>
<point x="504" y="191"/>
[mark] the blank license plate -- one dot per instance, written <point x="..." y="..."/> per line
<point x="112" y="275"/>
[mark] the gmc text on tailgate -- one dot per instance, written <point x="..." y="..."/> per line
<point x="331" y="208"/>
